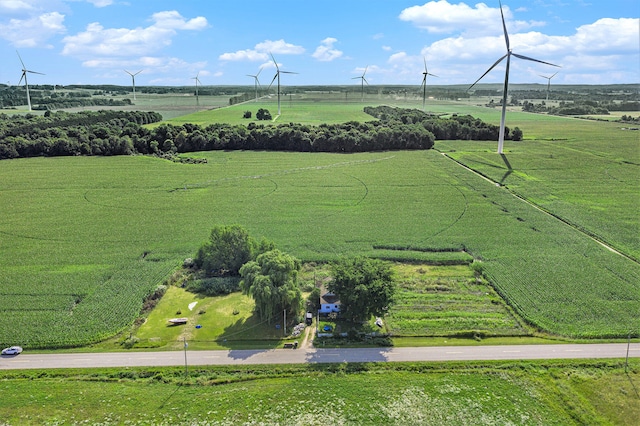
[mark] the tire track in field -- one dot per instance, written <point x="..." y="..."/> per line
<point x="543" y="210"/>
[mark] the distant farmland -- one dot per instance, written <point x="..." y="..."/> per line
<point x="85" y="239"/>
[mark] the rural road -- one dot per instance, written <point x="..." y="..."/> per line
<point x="299" y="356"/>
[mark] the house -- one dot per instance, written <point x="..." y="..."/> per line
<point x="329" y="303"/>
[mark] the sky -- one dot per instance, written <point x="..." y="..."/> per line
<point x="326" y="42"/>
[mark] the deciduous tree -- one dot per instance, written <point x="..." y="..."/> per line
<point x="272" y="281"/>
<point x="364" y="286"/>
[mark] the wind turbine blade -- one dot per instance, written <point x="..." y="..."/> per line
<point x="432" y="75"/>
<point x="504" y="27"/>
<point x="21" y="78"/>
<point x="138" y="72"/>
<point x="355" y="78"/>
<point x="288" y="72"/>
<point x="365" y="71"/>
<point x="534" y="60"/>
<point x="487" y="72"/>
<point x="35" y="72"/>
<point x="20" y="57"/>
<point x="424" y="80"/>
<point x="365" y="80"/>
<point x="554" y="74"/>
<point x="274" y="61"/>
<point x="425" y="65"/>
<point x="274" y="79"/>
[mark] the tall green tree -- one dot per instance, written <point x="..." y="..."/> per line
<point x="228" y="248"/>
<point x="364" y="286"/>
<point x="272" y="281"/>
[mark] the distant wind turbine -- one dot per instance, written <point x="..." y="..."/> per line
<point x="424" y="83"/>
<point x="133" y="81"/>
<point x="362" y="80"/>
<point x="25" y="71"/>
<point x="197" y="81"/>
<point x="278" y="72"/>
<point x="256" y="82"/>
<point x="548" y="83"/>
<point x="506" y="78"/>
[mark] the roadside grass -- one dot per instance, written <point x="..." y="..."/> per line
<point x="541" y="392"/>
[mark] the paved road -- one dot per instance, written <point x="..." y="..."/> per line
<point x="299" y="356"/>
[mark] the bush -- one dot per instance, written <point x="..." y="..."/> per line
<point x="263" y="114"/>
<point x="214" y="286"/>
<point x="247" y="114"/>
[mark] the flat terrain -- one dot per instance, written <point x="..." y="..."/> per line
<point x="455" y="393"/>
<point x="86" y="239"/>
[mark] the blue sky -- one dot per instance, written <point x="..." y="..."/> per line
<point x="324" y="41"/>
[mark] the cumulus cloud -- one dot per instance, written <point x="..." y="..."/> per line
<point x="33" y="31"/>
<point x="118" y="42"/>
<point x="326" y="52"/>
<point x="261" y="51"/>
<point x="444" y="17"/>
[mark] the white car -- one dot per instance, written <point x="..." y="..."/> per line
<point x="13" y="350"/>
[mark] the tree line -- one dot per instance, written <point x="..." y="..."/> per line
<point x="122" y="133"/>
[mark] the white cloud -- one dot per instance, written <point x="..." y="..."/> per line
<point x="244" y="55"/>
<point x="101" y="3"/>
<point x="34" y="31"/>
<point x="444" y="17"/>
<point x="279" y="47"/>
<point x="386" y="48"/>
<point x="326" y="52"/>
<point x="122" y="42"/>
<point x="261" y="51"/>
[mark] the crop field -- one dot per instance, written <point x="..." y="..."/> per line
<point x="441" y="301"/>
<point x="84" y="240"/>
<point x="548" y="392"/>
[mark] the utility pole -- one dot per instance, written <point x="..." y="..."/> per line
<point x="626" y="361"/>
<point x="285" y="322"/>
<point x="186" y="368"/>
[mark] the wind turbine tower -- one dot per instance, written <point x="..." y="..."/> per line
<point x="362" y="80"/>
<point x="278" y="72"/>
<point x="506" y="78"/>
<point x="548" y="83"/>
<point x="197" y="81"/>
<point x="25" y="71"/>
<point x="256" y="82"/>
<point x="133" y="81"/>
<point x="424" y="83"/>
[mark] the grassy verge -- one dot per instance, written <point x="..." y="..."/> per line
<point x="533" y="393"/>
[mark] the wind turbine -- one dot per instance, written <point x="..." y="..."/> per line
<point x="26" y="83"/>
<point x="197" y="81"/>
<point x="548" y="83"/>
<point x="362" y="80"/>
<point x="133" y="80"/>
<point x="506" y="78"/>
<point x="256" y="82"/>
<point x="278" y="72"/>
<point x="424" y="83"/>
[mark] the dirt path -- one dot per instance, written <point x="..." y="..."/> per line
<point x="307" y="340"/>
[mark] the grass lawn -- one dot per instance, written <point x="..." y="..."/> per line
<point x="227" y="322"/>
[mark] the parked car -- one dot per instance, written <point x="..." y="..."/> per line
<point x="13" y="350"/>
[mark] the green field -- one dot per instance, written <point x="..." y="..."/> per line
<point x="542" y="393"/>
<point x="84" y="240"/>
